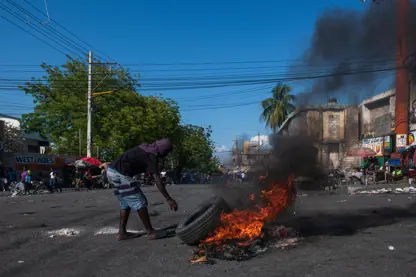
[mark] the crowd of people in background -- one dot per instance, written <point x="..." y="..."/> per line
<point x="26" y="178"/>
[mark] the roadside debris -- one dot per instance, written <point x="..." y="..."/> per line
<point x="341" y="201"/>
<point x="278" y="237"/>
<point x="20" y="262"/>
<point x="113" y="231"/>
<point x="201" y="260"/>
<point x="391" y="247"/>
<point x="287" y="243"/>
<point x="67" y="232"/>
<point x="385" y="191"/>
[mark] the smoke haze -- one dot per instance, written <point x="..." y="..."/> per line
<point x="352" y="41"/>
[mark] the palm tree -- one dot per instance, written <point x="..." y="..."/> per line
<point x="277" y="108"/>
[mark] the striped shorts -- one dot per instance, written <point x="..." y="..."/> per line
<point x="127" y="192"/>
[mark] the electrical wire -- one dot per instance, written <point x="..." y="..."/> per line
<point x="71" y="33"/>
<point x="48" y="31"/>
<point x="182" y="109"/>
<point x="175" y="80"/>
<point x="52" y="32"/>
<point x="35" y="28"/>
<point x="38" y="38"/>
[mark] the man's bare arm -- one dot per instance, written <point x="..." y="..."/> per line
<point x="161" y="187"/>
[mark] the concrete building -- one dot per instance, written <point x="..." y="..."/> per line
<point x="377" y="115"/>
<point x="377" y="123"/>
<point x="333" y="127"/>
<point x="254" y="150"/>
<point x="19" y="141"/>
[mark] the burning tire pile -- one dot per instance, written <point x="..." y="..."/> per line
<point x="239" y="234"/>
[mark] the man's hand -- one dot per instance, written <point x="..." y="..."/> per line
<point x="173" y="205"/>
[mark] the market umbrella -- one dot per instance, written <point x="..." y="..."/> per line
<point x="361" y="152"/>
<point x="92" y="161"/>
<point x="87" y="162"/>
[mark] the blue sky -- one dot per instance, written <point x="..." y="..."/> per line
<point x="144" y="33"/>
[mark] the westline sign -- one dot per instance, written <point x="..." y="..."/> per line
<point x="25" y="159"/>
<point x="32" y="159"/>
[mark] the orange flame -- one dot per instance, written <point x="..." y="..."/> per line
<point x="246" y="225"/>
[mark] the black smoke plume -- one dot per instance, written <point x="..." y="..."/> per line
<point x="290" y="156"/>
<point x="346" y="42"/>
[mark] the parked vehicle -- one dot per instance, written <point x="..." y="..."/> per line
<point x="16" y="188"/>
<point x="39" y="187"/>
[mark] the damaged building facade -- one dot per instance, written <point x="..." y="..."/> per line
<point x="377" y="125"/>
<point x="333" y="127"/>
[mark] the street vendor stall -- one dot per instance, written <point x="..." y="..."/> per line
<point x="89" y="171"/>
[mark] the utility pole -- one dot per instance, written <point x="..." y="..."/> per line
<point x="89" y="104"/>
<point x="80" y="142"/>
<point x="237" y="151"/>
<point x="258" y="146"/>
<point x="402" y="76"/>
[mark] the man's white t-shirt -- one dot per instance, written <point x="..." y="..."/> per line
<point x="163" y="173"/>
<point x="243" y="175"/>
<point x="52" y="175"/>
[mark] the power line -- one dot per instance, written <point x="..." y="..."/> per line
<point x="71" y="33"/>
<point x="64" y="39"/>
<point x="189" y="108"/>
<point x="6" y="9"/>
<point x="226" y="62"/>
<point x="310" y="65"/>
<point x="224" y="83"/>
<point x="297" y="74"/>
<point x="48" y="32"/>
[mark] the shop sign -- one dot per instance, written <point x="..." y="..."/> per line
<point x="25" y="159"/>
<point x="387" y="145"/>
<point x="45" y="160"/>
<point x="411" y="138"/>
<point x="401" y="141"/>
<point x="375" y="144"/>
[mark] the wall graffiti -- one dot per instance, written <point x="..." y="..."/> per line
<point x="375" y="144"/>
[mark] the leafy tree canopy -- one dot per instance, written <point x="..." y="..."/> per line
<point x="193" y="150"/>
<point x="12" y="138"/>
<point x="277" y="108"/>
<point x="120" y="119"/>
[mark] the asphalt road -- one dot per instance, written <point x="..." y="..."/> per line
<point x="344" y="236"/>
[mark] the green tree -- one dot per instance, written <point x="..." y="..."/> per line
<point x="193" y="150"/>
<point x="120" y="120"/>
<point x="277" y="108"/>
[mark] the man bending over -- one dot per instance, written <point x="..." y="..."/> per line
<point x="140" y="159"/>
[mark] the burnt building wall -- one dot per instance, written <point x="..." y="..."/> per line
<point x="334" y="132"/>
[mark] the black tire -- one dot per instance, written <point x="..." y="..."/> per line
<point x="197" y="225"/>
